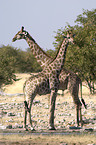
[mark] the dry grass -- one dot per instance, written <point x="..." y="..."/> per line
<point x="16" y="87"/>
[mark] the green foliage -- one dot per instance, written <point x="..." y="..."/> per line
<point x="51" y="53"/>
<point x="13" y="61"/>
<point x="27" y="62"/>
<point x="81" y="57"/>
<point x="7" y="60"/>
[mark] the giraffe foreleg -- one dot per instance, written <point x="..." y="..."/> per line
<point x="52" y="109"/>
<point x="62" y="92"/>
<point x="30" y="105"/>
<point x="30" y="120"/>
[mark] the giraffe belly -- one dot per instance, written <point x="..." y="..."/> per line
<point x="38" y="86"/>
<point x="44" y="88"/>
<point x="63" y="83"/>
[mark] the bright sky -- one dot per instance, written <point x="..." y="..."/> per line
<point x="39" y="17"/>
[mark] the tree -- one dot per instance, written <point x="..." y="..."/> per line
<point x="81" y="57"/>
<point x="7" y="60"/>
<point x="51" y="53"/>
<point x="31" y="64"/>
<point x="13" y="60"/>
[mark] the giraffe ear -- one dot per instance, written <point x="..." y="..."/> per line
<point x="74" y="35"/>
<point x="69" y="33"/>
<point x="64" y="37"/>
<point x="22" y="29"/>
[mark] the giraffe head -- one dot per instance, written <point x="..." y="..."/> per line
<point x="70" y="36"/>
<point x="22" y="34"/>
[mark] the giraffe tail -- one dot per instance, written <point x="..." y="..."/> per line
<point x="82" y="97"/>
<point x="84" y="103"/>
<point x="26" y="106"/>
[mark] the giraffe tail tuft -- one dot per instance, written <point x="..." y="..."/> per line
<point x="81" y="95"/>
<point x="84" y="103"/>
<point x="26" y="106"/>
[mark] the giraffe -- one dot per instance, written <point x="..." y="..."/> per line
<point x="68" y="79"/>
<point x="45" y="82"/>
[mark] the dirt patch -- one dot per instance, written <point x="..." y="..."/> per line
<point x="57" y="137"/>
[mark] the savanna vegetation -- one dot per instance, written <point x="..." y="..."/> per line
<point x="81" y="56"/>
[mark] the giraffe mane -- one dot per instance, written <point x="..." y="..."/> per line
<point x="58" y="50"/>
<point x="30" y="37"/>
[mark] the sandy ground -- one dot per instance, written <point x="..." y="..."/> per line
<point x="64" y="114"/>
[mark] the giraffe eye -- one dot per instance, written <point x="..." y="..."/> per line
<point x="26" y="33"/>
<point x="19" y="36"/>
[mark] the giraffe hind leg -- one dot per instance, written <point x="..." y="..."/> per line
<point x="30" y="120"/>
<point x="25" y="116"/>
<point x="52" y="109"/>
<point x="77" y="113"/>
<point x="80" y="114"/>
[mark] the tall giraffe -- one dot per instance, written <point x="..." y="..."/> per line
<point x="68" y="79"/>
<point x="46" y="82"/>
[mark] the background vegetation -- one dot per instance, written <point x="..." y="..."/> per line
<point x="81" y="57"/>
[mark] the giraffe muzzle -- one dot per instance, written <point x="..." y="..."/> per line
<point x="13" y="40"/>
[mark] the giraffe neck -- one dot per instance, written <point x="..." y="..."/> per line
<point x="42" y="58"/>
<point x="61" y="55"/>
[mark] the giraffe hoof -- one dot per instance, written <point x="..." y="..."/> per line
<point x="26" y="129"/>
<point x="52" y="128"/>
<point x="32" y="129"/>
